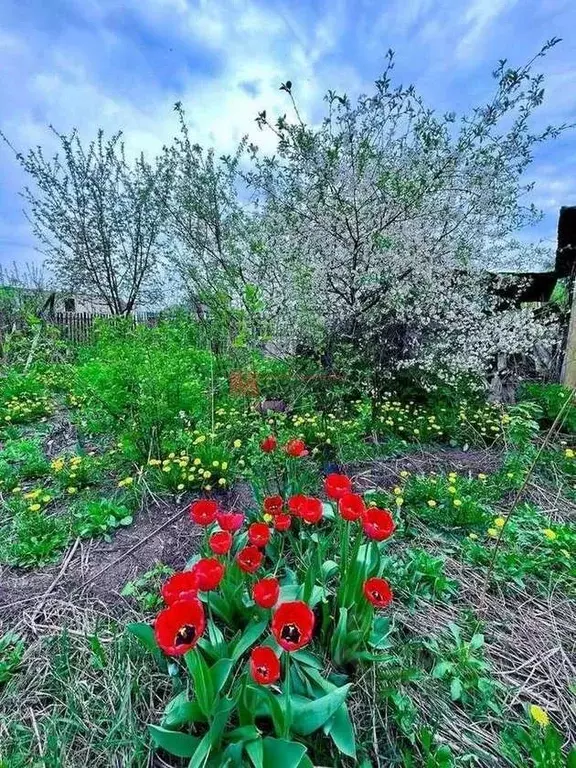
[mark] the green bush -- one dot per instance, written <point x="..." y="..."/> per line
<point x="552" y="399"/>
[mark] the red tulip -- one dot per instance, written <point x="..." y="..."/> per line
<point x="266" y="592"/>
<point x="273" y="505"/>
<point x="282" y="522"/>
<point x="296" y="448"/>
<point x="377" y="523"/>
<point x="209" y="573"/>
<point x="230" y="521"/>
<point x="264" y="665"/>
<point x="292" y="625"/>
<point x="179" y="627"/>
<point x="337" y="485"/>
<point x="249" y="559"/>
<point x="295" y="503"/>
<point x="220" y="542"/>
<point x="351" y="506"/>
<point x="180" y="586"/>
<point x="203" y="511"/>
<point x="259" y="534"/>
<point x="378" y="592"/>
<point x="269" y="444"/>
<point x="311" y="510"/>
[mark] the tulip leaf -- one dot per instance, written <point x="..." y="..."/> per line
<point x="203" y="684"/>
<point x="307" y="658"/>
<point x="279" y="753"/>
<point x="220" y="672"/>
<point x="248" y="638"/>
<point x="174" y="742"/>
<point x="308" y="716"/>
<point x="255" y="751"/>
<point x="144" y="633"/>
<point x="180" y="711"/>
<point x="341" y="730"/>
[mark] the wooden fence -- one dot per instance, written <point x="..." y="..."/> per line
<point x="78" y="327"/>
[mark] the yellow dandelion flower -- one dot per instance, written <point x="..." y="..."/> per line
<point x="222" y="481"/>
<point x="16" y="489"/>
<point x="539" y="715"/>
<point x="481" y="476"/>
<point x="268" y="518"/>
<point x="34" y="507"/>
<point x="500" y="522"/>
<point x="550" y="534"/>
<point x="493" y="532"/>
<point x="207" y="474"/>
<point x="224" y="465"/>
<point x="473" y="536"/>
<point x="237" y="443"/>
<point x="71" y="490"/>
<point x="207" y="487"/>
<point x="457" y="503"/>
<point x="399" y="501"/>
<point x="46" y="498"/>
<point x="451" y="489"/>
<point x="197" y="461"/>
<point x="569" y="453"/>
<point x="397" y="491"/>
<point x="215" y="463"/>
<point x="180" y="487"/>
<point x="431" y="503"/>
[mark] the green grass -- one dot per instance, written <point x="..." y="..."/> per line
<point x="80" y="700"/>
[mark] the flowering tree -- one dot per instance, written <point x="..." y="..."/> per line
<point x="391" y="216"/>
<point x="98" y="218"/>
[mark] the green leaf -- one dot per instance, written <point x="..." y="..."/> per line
<point x="341" y="731"/>
<point x="212" y="738"/>
<point x="380" y="631"/>
<point x="145" y="635"/>
<point x="174" y="742"/>
<point x="220" y="673"/>
<point x="255" y="750"/>
<point x="308" y="717"/>
<point x="456" y="688"/>
<point x="339" y="636"/>
<point x="441" y="669"/>
<point x="248" y="638"/>
<point x="277" y="713"/>
<point x="308" y="659"/>
<point x="279" y="753"/>
<point x="477" y="641"/>
<point x="243" y="733"/>
<point x="203" y="684"/>
<point x="181" y="710"/>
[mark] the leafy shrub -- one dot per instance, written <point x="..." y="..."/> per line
<point x="552" y="399"/>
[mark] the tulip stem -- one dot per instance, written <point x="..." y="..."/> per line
<point x="288" y="708"/>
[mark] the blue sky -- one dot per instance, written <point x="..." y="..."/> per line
<point x="121" y="64"/>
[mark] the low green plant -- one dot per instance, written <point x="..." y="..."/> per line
<point x="31" y="537"/>
<point x="99" y="517"/>
<point x="22" y="459"/>
<point x="417" y="574"/>
<point x="145" y="589"/>
<point x="12" y="648"/>
<point x="459" y="662"/>
<point x="532" y="549"/>
<point x="535" y="743"/>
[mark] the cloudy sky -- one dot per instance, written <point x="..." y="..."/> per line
<point x="121" y="64"/>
